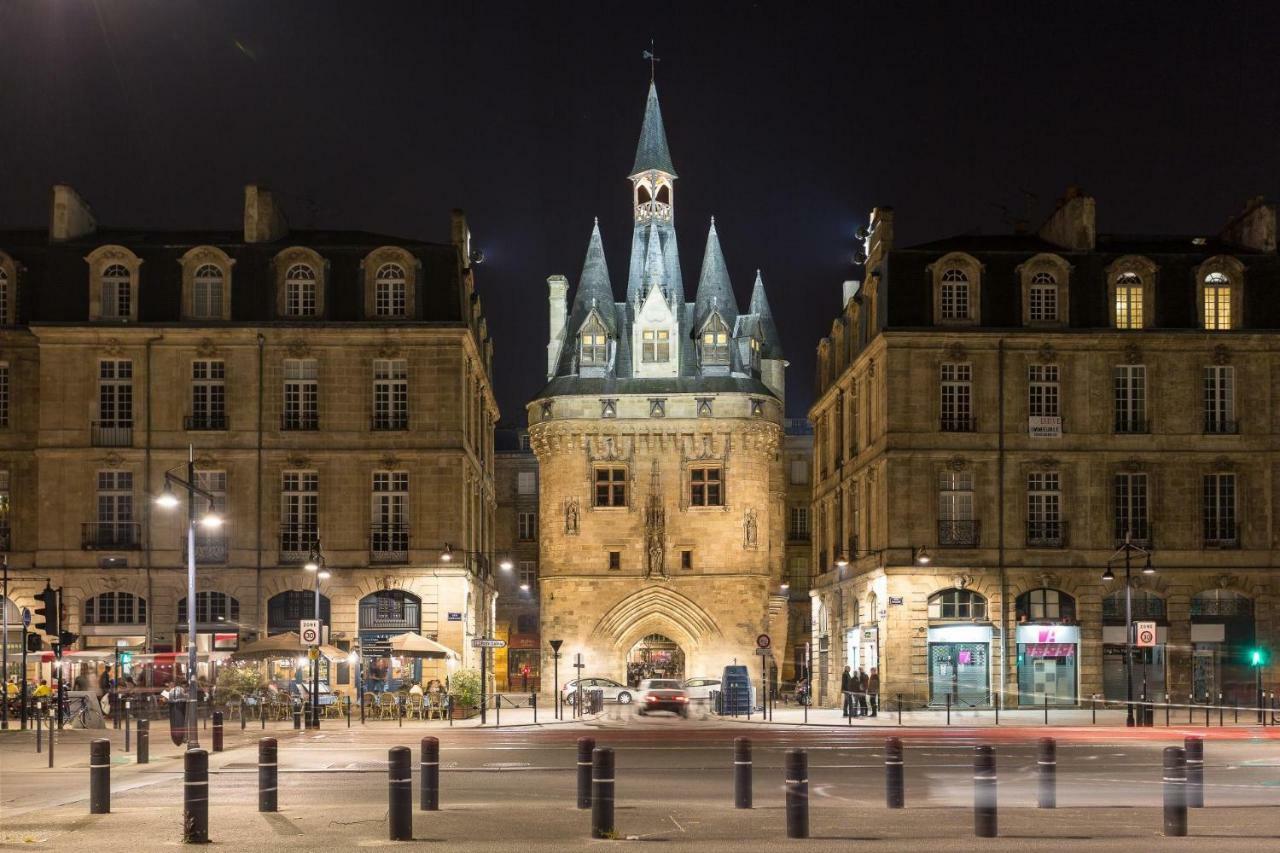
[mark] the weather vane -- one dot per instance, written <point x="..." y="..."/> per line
<point x="653" y="60"/>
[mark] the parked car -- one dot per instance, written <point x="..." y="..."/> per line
<point x="613" y="691"/>
<point x="663" y="694"/>
<point x="700" y="689"/>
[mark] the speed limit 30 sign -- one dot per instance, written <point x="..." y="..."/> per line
<point x="1146" y="634"/>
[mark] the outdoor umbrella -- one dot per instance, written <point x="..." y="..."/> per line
<point x="412" y="645"/>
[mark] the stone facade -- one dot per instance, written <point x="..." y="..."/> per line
<point x="977" y="464"/>
<point x="516" y="541"/>
<point x="88" y="443"/>
<point x="797" y="468"/>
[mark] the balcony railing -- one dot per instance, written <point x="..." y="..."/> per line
<point x="958" y="423"/>
<point x="389" y="422"/>
<point x="1046" y="534"/>
<point x="958" y="534"/>
<point x="296" y="541"/>
<point x="194" y="423"/>
<point x="1219" y="535"/>
<point x="211" y="550"/>
<point x="303" y="421"/>
<point x="112" y="434"/>
<point x="1220" y="426"/>
<point x="1139" y="532"/>
<point x="1132" y="426"/>
<point x="5" y="542"/>
<point x="794" y="535"/>
<point x="389" y="543"/>
<point x="111" y="535"/>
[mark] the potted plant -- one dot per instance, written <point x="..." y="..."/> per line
<point x="464" y="689"/>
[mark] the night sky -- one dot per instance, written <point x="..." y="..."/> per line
<point x="787" y="121"/>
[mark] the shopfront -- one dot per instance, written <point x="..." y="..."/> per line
<point x="959" y="653"/>
<point x="1048" y="643"/>
<point x="384" y="615"/>
<point x="862" y="648"/>
<point x="1147" y="674"/>
<point x="217" y="630"/>
<point x="1222" y="632"/>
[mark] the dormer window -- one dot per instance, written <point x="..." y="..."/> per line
<point x="715" y="342"/>
<point x="754" y="348"/>
<point x="206" y="293"/>
<point x="594" y="349"/>
<point x="1043" y="298"/>
<point x="390" y="298"/>
<point x="655" y="346"/>
<point x="955" y="295"/>
<point x="117" y="292"/>
<point x="1129" y="301"/>
<point x="6" y="300"/>
<point x="1217" y="301"/>
<point x="206" y="284"/>
<point x="300" y="291"/>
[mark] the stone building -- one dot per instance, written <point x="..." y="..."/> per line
<point x="661" y="530"/>
<point x="334" y="386"/>
<point x="515" y="481"/>
<point x="797" y="466"/>
<point x="996" y="414"/>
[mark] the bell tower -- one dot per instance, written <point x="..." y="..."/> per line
<point x="653" y="177"/>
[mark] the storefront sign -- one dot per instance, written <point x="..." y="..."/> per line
<point x="1050" y="650"/>
<point x="1049" y="634"/>
<point x="960" y="634"/>
<point x="1041" y="426"/>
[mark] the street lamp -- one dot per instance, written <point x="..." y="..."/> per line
<point x="315" y="565"/>
<point x="1126" y="550"/>
<point x="211" y="521"/>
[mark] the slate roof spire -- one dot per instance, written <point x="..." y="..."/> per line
<point x="715" y="293"/>
<point x="594" y="287"/>
<point x="760" y="307"/>
<point x="652" y="152"/>
<point x="655" y="270"/>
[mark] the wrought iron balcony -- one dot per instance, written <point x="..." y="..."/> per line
<point x="111" y="536"/>
<point x="208" y="421"/>
<point x="112" y="434"/>
<point x="1046" y="534"/>
<point x="300" y="421"/>
<point x="958" y="423"/>
<point x="1221" y="535"/>
<point x="389" y="543"/>
<point x="389" y="422"/>
<point x="296" y="541"/>
<point x="1139" y="531"/>
<point x="1131" y="426"/>
<point x="958" y="534"/>
<point x="210" y="549"/>
<point x="1220" y="426"/>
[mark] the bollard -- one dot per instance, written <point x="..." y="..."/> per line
<point x="1093" y="703"/>
<point x="1167" y="700"/>
<point x="1191" y="708"/>
<point x="242" y="710"/>
<point x="144" y="741"/>
<point x="1221" y="711"/>
<point x="127" y="722"/>
<point x="1175" y="791"/>
<point x="268" y="775"/>
<point x="996" y="704"/>
<point x="195" y="797"/>
<point x="948" y="709"/>
<point x="1048" y="767"/>
<point x="586" y="745"/>
<point x="39" y="715"/>
<point x="1046" y="709"/>
<point x="1194" y="753"/>
<point x="797" y="793"/>
<point x="742" y="773"/>
<point x="100" y="776"/>
<point x="400" y="793"/>
<point x="984" y="791"/>
<point x="430" y="771"/>
<point x="894" y="795"/>
<point x="899" y="709"/>
<point x="602" y="793"/>
<point x="297" y="714"/>
<point x="53" y="713"/>
<point x="533" y="703"/>
<point x="217" y="731"/>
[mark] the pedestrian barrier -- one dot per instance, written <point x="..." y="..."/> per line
<point x="195" y="797"/>
<point x="602" y="770"/>
<point x="1047" y="764"/>
<point x="1193" y="750"/>
<point x="400" y="793"/>
<point x="586" y="748"/>
<point x="984" y="791"/>
<point x="1175" y="791"/>
<point x="100" y="776"/>
<point x="144" y="741"/>
<point x="268" y="775"/>
<point x="742" y="773"/>
<point x="796" y="780"/>
<point x="894" y="795"/>
<point x="430" y="771"/>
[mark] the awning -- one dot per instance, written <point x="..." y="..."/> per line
<point x="412" y="645"/>
<point x="288" y="645"/>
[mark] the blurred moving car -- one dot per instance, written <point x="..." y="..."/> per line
<point x="700" y="689"/>
<point x="663" y="694"/>
<point x="613" y="691"/>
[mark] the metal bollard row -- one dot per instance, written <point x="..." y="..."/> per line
<point x="144" y="741"/>
<point x="586" y="748"/>
<point x="984" y="792"/>
<point x="430" y="770"/>
<point x="797" y="793"/>
<point x="268" y="775"/>
<point x="1047" y="767"/>
<point x="602" y="788"/>
<point x="400" y="793"/>
<point x="742" y="773"/>
<point x="100" y="776"/>
<point x="894" y="795"/>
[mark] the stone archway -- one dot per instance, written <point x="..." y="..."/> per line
<point x="655" y="610"/>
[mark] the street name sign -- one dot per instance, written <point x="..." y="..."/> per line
<point x="765" y="652"/>
<point x="309" y="630"/>
<point x="488" y="643"/>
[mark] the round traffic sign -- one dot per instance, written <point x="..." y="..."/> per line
<point x="26" y="617"/>
<point x="310" y="636"/>
<point x="763" y="641"/>
<point x="1146" y="637"/>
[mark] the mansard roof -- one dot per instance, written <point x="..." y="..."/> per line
<point x="652" y="152"/>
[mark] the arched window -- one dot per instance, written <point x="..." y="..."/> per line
<point x="6" y="300"/>
<point x="300" y="291"/>
<point x="117" y="292"/>
<point x="390" y="609"/>
<point x="959" y="604"/>
<point x="664" y="194"/>
<point x="390" y="298"/>
<point x="594" y="349"/>
<point x="715" y="342"/>
<point x="822" y="624"/>
<point x="873" y="607"/>
<point x="286" y="610"/>
<point x="1146" y="605"/>
<point x="955" y="295"/>
<point x="211" y="608"/>
<point x="1129" y="301"/>
<point x="1043" y="298"/>
<point x="1217" y="301"/>
<point x="115" y="608"/>
<point x="206" y="292"/>
<point x="1221" y="602"/>
<point x="1046" y="605"/>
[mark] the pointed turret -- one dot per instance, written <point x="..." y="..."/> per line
<point x="655" y="269"/>
<point x="715" y="293"/>
<point x="652" y="152"/>
<point x="594" y="288"/>
<point x="760" y="307"/>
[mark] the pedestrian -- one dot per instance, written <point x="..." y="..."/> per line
<point x="43" y="691"/>
<point x="873" y="690"/>
<point x="862" y="692"/>
<point x="104" y="682"/>
<point x="82" y="681"/>
<point x="846" y="689"/>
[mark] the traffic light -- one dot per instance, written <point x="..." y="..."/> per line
<point x="66" y="639"/>
<point x="1258" y="657"/>
<point x="48" y="611"/>
<point x="33" y="642"/>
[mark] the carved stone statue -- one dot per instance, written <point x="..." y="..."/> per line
<point x="750" y="537"/>
<point x="655" y="528"/>
<point x="571" y="517"/>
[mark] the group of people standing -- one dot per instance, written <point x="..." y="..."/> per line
<point x="861" y="692"/>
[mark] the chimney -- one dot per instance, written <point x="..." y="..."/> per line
<point x="264" y="220"/>
<point x="1073" y="225"/>
<point x="558" y="299"/>
<point x="69" y="215"/>
<point x="880" y="238"/>
<point x="848" y="290"/>
<point x="1254" y="227"/>
<point x="460" y="235"/>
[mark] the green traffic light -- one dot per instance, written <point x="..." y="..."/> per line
<point x="1257" y="657"/>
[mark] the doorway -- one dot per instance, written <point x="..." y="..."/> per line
<point x="655" y="656"/>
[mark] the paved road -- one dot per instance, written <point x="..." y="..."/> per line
<point x="674" y="785"/>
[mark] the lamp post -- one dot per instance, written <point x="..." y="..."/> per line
<point x="315" y="565"/>
<point x="168" y="500"/>
<point x="1126" y="551"/>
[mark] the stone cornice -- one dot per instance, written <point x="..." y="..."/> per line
<point x="606" y="438"/>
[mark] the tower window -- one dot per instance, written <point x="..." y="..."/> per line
<point x="705" y="486"/>
<point x="715" y="342"/>
<point x="611" y="486"/>
<point x="655" y="346"/>
<point x="594" y="351"/>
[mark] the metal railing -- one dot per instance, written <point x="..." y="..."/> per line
<point x="389" y="543"/>
<point x="1224" y="536"/>
<point x="957" y="423"/>
<point x="300" y="421"/>
<point x="1046" y="534"/>
<point x="209" y="549"/>
<point x="958" y="534"/>
<point x="1139" y="531"/>
<point x="110" y="535"/>
<point x="5" y="539"/>
<point x="1132" y="426"/>
<point x="1220" y="426"/>
<point x="296" y="541"/>
<point x="389" y="422"/>
<point x="196" y="423"/>
<point x="112" y="434"/>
